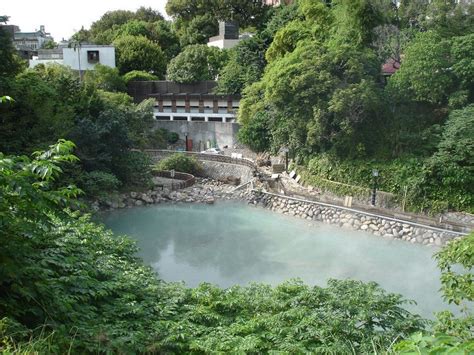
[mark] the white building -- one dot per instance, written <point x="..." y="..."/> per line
<point x="86" y="57"/>
<point x="228" y="36"/>
<point x="80" y="58"/>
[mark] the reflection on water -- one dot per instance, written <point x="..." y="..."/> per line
<point x="232" y="243"/>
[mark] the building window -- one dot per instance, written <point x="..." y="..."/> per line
<point x="93" y="56"/>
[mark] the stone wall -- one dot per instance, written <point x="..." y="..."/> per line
<point x="215" y="166"/>
<point x="344" y="217"/>
<point x="219" y="171"/>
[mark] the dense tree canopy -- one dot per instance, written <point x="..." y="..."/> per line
<point x="139" y="53"/>
<point x="196" y="21"/>
<point x="322" y="91"/>
<point x="10" y="62"/>
<point x="195" y="63"/>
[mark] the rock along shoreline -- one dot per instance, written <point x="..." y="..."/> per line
<point x="208" y="191"/>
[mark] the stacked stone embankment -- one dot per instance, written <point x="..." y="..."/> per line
<point x="203" y="191"/>
<point x="346" y="218"/>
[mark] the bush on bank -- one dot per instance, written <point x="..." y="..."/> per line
<point x="412" y="180"/>
<point x="182" y="163"/>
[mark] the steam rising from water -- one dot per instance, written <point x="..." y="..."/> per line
<point x="232" y="243"/>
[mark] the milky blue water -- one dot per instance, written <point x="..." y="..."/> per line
<point x="231" y="243"/>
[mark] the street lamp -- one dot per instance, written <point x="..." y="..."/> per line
<point x="375" y="175"/>
<point x="286" y="150"/>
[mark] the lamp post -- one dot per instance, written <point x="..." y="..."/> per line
<point x="186" y="135"/>
<point x="375" y="175"/>
<point x="286" y="150"/>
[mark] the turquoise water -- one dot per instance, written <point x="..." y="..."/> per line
<point x="231" y="243"/>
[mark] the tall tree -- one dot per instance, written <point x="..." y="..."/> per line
<point x="139" y="53"/>
<point x="195" y="63"/>
<point x="10" y="62"/>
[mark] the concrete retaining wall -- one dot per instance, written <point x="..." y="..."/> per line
<point x="220" y="133"/>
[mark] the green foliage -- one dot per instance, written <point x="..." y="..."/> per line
<point x="6" y="99"/>
<point x="112" y="20"/>
<point x="133" y="168"/>
<point x="448" y="175"/>
<point x="457" y="286"/>
<point x="449" y="18"/>
<point x="41" y="113"/>
<point x="434" y="344"/>
<point x="198" y="30"/>
<point x="114" y="99"/>
<point x="172" y="137"/>
<point x="452" y="335"/>
<point x="244" y="67"/>
<point x="139" y="53"/>
<point x="255" y="134"/>
<point x="355" y="20"/>
<point x="425" y="75"/>
<point x="98" y="183"/>
<point x="197" y="20"/>
<point x="10" y="62"/>
<point x="196" y="63"/>
<point x="138" y="75"/>
<point x="180" y="162"/>
<point x="105" y="78"/>
<point x="354" y="177"/>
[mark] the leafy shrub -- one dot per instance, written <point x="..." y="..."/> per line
<point x="180" y="162"/>
<point x="256" y="133"/>
<point x="134" y="169"/>
<point x="138" y="75"/>
<point x="195" y="63"/>
<point x="448" y="179"/>
<point x="97" y="183"/>
<point x="173" y="137"/>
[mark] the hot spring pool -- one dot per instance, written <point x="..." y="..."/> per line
<point x="232" y="243"/>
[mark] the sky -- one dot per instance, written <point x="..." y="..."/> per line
<point x="62" y="18"/>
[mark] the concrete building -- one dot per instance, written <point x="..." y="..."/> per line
<point x="192" y="111"/>
<point x="86" y="57"/>
<point x="33" y="40"/>
<point x="186" y="102"/>
<point x="194" y="107"/>
<point x="81" y="58"/>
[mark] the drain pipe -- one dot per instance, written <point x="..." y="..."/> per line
<point x="243" y="185"/>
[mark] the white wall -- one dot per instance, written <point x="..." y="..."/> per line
<point x="224" y="43"/>
<point x="71" y="57"/>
